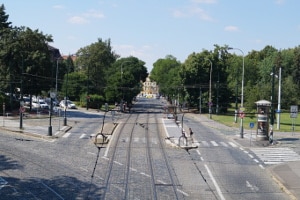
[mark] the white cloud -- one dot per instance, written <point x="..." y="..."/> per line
<point x="94" y="14"/>
<point x="86" y="17"/>
<point x="192" y="12"/>
<point x="231" y="28"/>
<point x="200" y="13"/>
<point x="78" y="20"/>
<point x="58" y="7"/>
<point x="143" y="53"/>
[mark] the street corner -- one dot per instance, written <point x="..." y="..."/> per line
<point x="287" y="176"/>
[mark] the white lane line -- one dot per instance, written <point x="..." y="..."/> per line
<point x="182" y="192"/>
<point x="162" y="182"/>
<point x="252" y="187"/>
<point x="118" y="163"/>
<point x="83" y="169"/>
<point x="66" y="135"/>
<point x="261" y="166"/>
<point x="142" y="173"/>
<point x="198" y="152"/>
<point x="133" y="169"/>
<point x="52" y="190"/>
<point x="82" y="136"/>
<point x="215" y="183"/>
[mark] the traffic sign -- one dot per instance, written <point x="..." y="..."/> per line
<point x="294" y="111"/>
<point x="251" y="124"/>
<point x="242" y="114"/>
<point x="22" y="109"/>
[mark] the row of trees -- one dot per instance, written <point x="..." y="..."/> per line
<point x="30" y="66"/>
<point x="190" y="81"/>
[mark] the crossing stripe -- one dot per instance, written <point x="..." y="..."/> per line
<point x="232" y="144"/>
<point x="214" y="143"/>
<point x="224" y="144"/>
<point x="275" y="155"/>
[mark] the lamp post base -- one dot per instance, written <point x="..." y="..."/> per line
<point x="50" y="131"/>
<point x="65" y="121"/>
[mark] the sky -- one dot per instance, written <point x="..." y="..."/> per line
<point x="152" y="29"/>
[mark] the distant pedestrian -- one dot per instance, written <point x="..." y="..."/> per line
<point x="191" y="134"/>
<point x="271" y="136"/>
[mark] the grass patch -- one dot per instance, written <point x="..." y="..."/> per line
<point x="285" y="121"/>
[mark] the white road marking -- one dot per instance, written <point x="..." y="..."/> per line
<point x="252" y="187"/>
<point x="52" y="190"/>
<point x="182" y="192"/>
<point x="214" y="143"/>
<point x="215" y="183"/>
<point x="66" y="135"/>
<point x="224" y="144"/>
<point x="83" y="136"/>
<point x="276" y="155"/>
<point x="232" y="144"/>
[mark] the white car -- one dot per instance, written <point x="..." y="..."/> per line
<point x="43" y="104"/>
<point x="69" y="104"/>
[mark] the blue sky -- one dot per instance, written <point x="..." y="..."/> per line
<point x="152" y="29"/>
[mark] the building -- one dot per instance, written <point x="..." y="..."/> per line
<point x="150" y="89"/>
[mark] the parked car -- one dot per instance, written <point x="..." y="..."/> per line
<point x="69" y="104"/>
<point x="43" y="105"/>
<point x="35" y="104"/>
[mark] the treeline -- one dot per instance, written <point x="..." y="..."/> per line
<point x="191" y="82"/>
<point x="93" y="75"/>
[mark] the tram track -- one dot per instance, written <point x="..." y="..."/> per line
<point x="138" y="163"/>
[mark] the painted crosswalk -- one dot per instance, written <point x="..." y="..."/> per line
<point x="271" y="156"/>
<point x="202" y="143"/>
<point x="212" y="143"/>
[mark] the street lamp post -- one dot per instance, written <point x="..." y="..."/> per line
<point x="66" y="99"/>
<point x="21" y="99"/>
<point x="279" y="99"/>
<point x="52" y="96"/>
<point x="242" y="95"/>
<point x="210" y="103"/>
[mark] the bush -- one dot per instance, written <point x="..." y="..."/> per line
<point x="95" y="101"/>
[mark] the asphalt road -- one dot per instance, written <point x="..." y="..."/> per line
<point x="133" y="164"/>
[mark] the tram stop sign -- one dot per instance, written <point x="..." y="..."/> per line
<point x="251" y="124"/>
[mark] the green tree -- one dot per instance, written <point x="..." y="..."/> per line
<point x="166" y="74"/>
<point x="94" y="61"/>
<point x="124" y="78"/>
